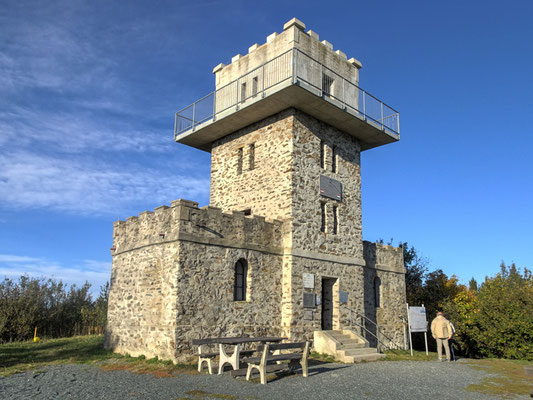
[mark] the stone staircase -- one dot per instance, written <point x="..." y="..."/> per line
<point x="345" y="346"/>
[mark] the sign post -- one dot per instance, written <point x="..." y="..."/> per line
<point x="416" y="318"/>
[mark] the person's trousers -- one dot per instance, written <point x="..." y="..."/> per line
<point x="452" y="353"/>
<point x="440" y="344"/>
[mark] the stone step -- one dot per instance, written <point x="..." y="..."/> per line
<point x="346" y="342"/>
<point x="351" y="346"/>
<point x="360" y="352"/>
<point x="368" y="358"/>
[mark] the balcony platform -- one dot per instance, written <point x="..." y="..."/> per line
<point x="355" y="111"/>
<point x="286" y="95"/>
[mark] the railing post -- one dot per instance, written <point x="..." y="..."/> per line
<point x="382" y="121"/>
<point x="293" y="66"/>
<point x="263" y="79"/>
<point x="237" y="95"/>
<point x="193" y="114"/>
<point x="175" y="124"/>
<point x="343" y="93"/>
<point x="215" y="106"/>
<point x="364" y="102"/>
<point x="398" y="123"/>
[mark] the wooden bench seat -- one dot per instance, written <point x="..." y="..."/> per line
<point x="264" y="363"/>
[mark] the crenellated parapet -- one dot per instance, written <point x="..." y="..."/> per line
<point x="292" y="36"/>
<point x="383" y="257"/>
<point x="183" y="220"/>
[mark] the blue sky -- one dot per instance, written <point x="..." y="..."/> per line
<point x="88" y="90"/>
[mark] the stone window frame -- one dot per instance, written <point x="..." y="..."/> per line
<point x="334" y="158"/>
<point x="377" y="292"/>
<point x="251" y="156"/>
<point x="240" y="159"/>
<point x="322" y="154"/>
<point x="323" y="217"/>
<point x="335" y="209"/>
<point x="240" y="270"/>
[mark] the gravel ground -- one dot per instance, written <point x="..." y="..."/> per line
<point x="378" y="380"/>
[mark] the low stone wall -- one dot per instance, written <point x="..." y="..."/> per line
<point x="172" y="279"/>
<point x="385" y="263"/>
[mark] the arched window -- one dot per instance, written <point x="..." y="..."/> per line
<point x="239" y="288"/>
<point x="377" y="291"/>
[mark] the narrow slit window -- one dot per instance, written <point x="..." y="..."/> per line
<point x="333" y="159"/>
<point x="251" y="156"/>
<point x="239" y="287"/>
<point x="239" y="161"/>
<point x="322" y="155"/>
<point x="243" y="91"/>
<point x="327" y="84"/>
<point x="377" y="291"/>
<point x="335" y="220"/>
<point x="255" y="84"/>
<point x="322" y="217"/>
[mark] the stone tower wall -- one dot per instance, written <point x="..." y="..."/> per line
<point x="265" y="189"/>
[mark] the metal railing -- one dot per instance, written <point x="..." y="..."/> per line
<point x="301" y="68"/>
<point x="379" y="336"/>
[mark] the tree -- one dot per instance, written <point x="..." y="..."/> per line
<point x="415" y="270"/>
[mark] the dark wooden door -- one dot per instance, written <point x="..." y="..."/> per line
<point x="327" y="303"/>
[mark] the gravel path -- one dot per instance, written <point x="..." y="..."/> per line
<point x="378" y="380"/>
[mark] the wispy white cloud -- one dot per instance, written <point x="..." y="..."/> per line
<point x="76" y="133"/>
<point x="34" y="181"/>
<point x="97" y="273"/>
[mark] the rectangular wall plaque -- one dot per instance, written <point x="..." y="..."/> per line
<point x="330" y="188"/>
<point x="343" y="297"/>
<point x="309" y="281"/>
<point x="309" y="300"/>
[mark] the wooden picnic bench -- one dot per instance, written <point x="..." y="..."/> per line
<point x="204" y="355"/>
<point x="265" y="363"/>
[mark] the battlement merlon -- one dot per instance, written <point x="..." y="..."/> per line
<point x="183" y="220"/>
<point x="292" y="36"/>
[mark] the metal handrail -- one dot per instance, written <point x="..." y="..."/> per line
<point x="293" y="68"/>
<point x="363" y="326"/>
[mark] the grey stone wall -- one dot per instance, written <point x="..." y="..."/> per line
<point x="173" y="273"/>
<point x="386" y="263"/>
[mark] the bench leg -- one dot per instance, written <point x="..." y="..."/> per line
<point x="249" y="372"/>
<point x="304" y="368"/>
<point x="209" y="365"/>
<point x="262" y="372"/>
<point x="233" y="360"/>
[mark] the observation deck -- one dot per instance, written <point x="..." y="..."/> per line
<point x="292" y="78"/>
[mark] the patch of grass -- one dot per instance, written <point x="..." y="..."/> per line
<point x="405" y="355"/>
<point x="200" y="394"/>
<point x="324" y="358"/>
<point x="24" y="356"/>
<point x="510" y="377"/>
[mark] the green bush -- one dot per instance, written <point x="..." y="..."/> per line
<point x="54" y="308"/>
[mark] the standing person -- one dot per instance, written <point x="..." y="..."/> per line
<point x="450" y="342"/>
<point x="441" y="332"/>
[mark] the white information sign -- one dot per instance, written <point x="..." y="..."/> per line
<point x="417" y="322"/>
<point x="417" y="319"/>
<point x="309" y="281"/>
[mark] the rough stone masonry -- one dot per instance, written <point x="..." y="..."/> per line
<point x="270" y="255"/>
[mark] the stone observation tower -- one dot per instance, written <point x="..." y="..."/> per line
<point x="279" y="250"/>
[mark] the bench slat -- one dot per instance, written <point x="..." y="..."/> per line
<point x="208" y="355"/>
<point x="283" y="346"/>
<point x="197" y="342"/>
<point x="277" y="357"/>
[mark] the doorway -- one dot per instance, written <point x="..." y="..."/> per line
<point x="327" y="303"/>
